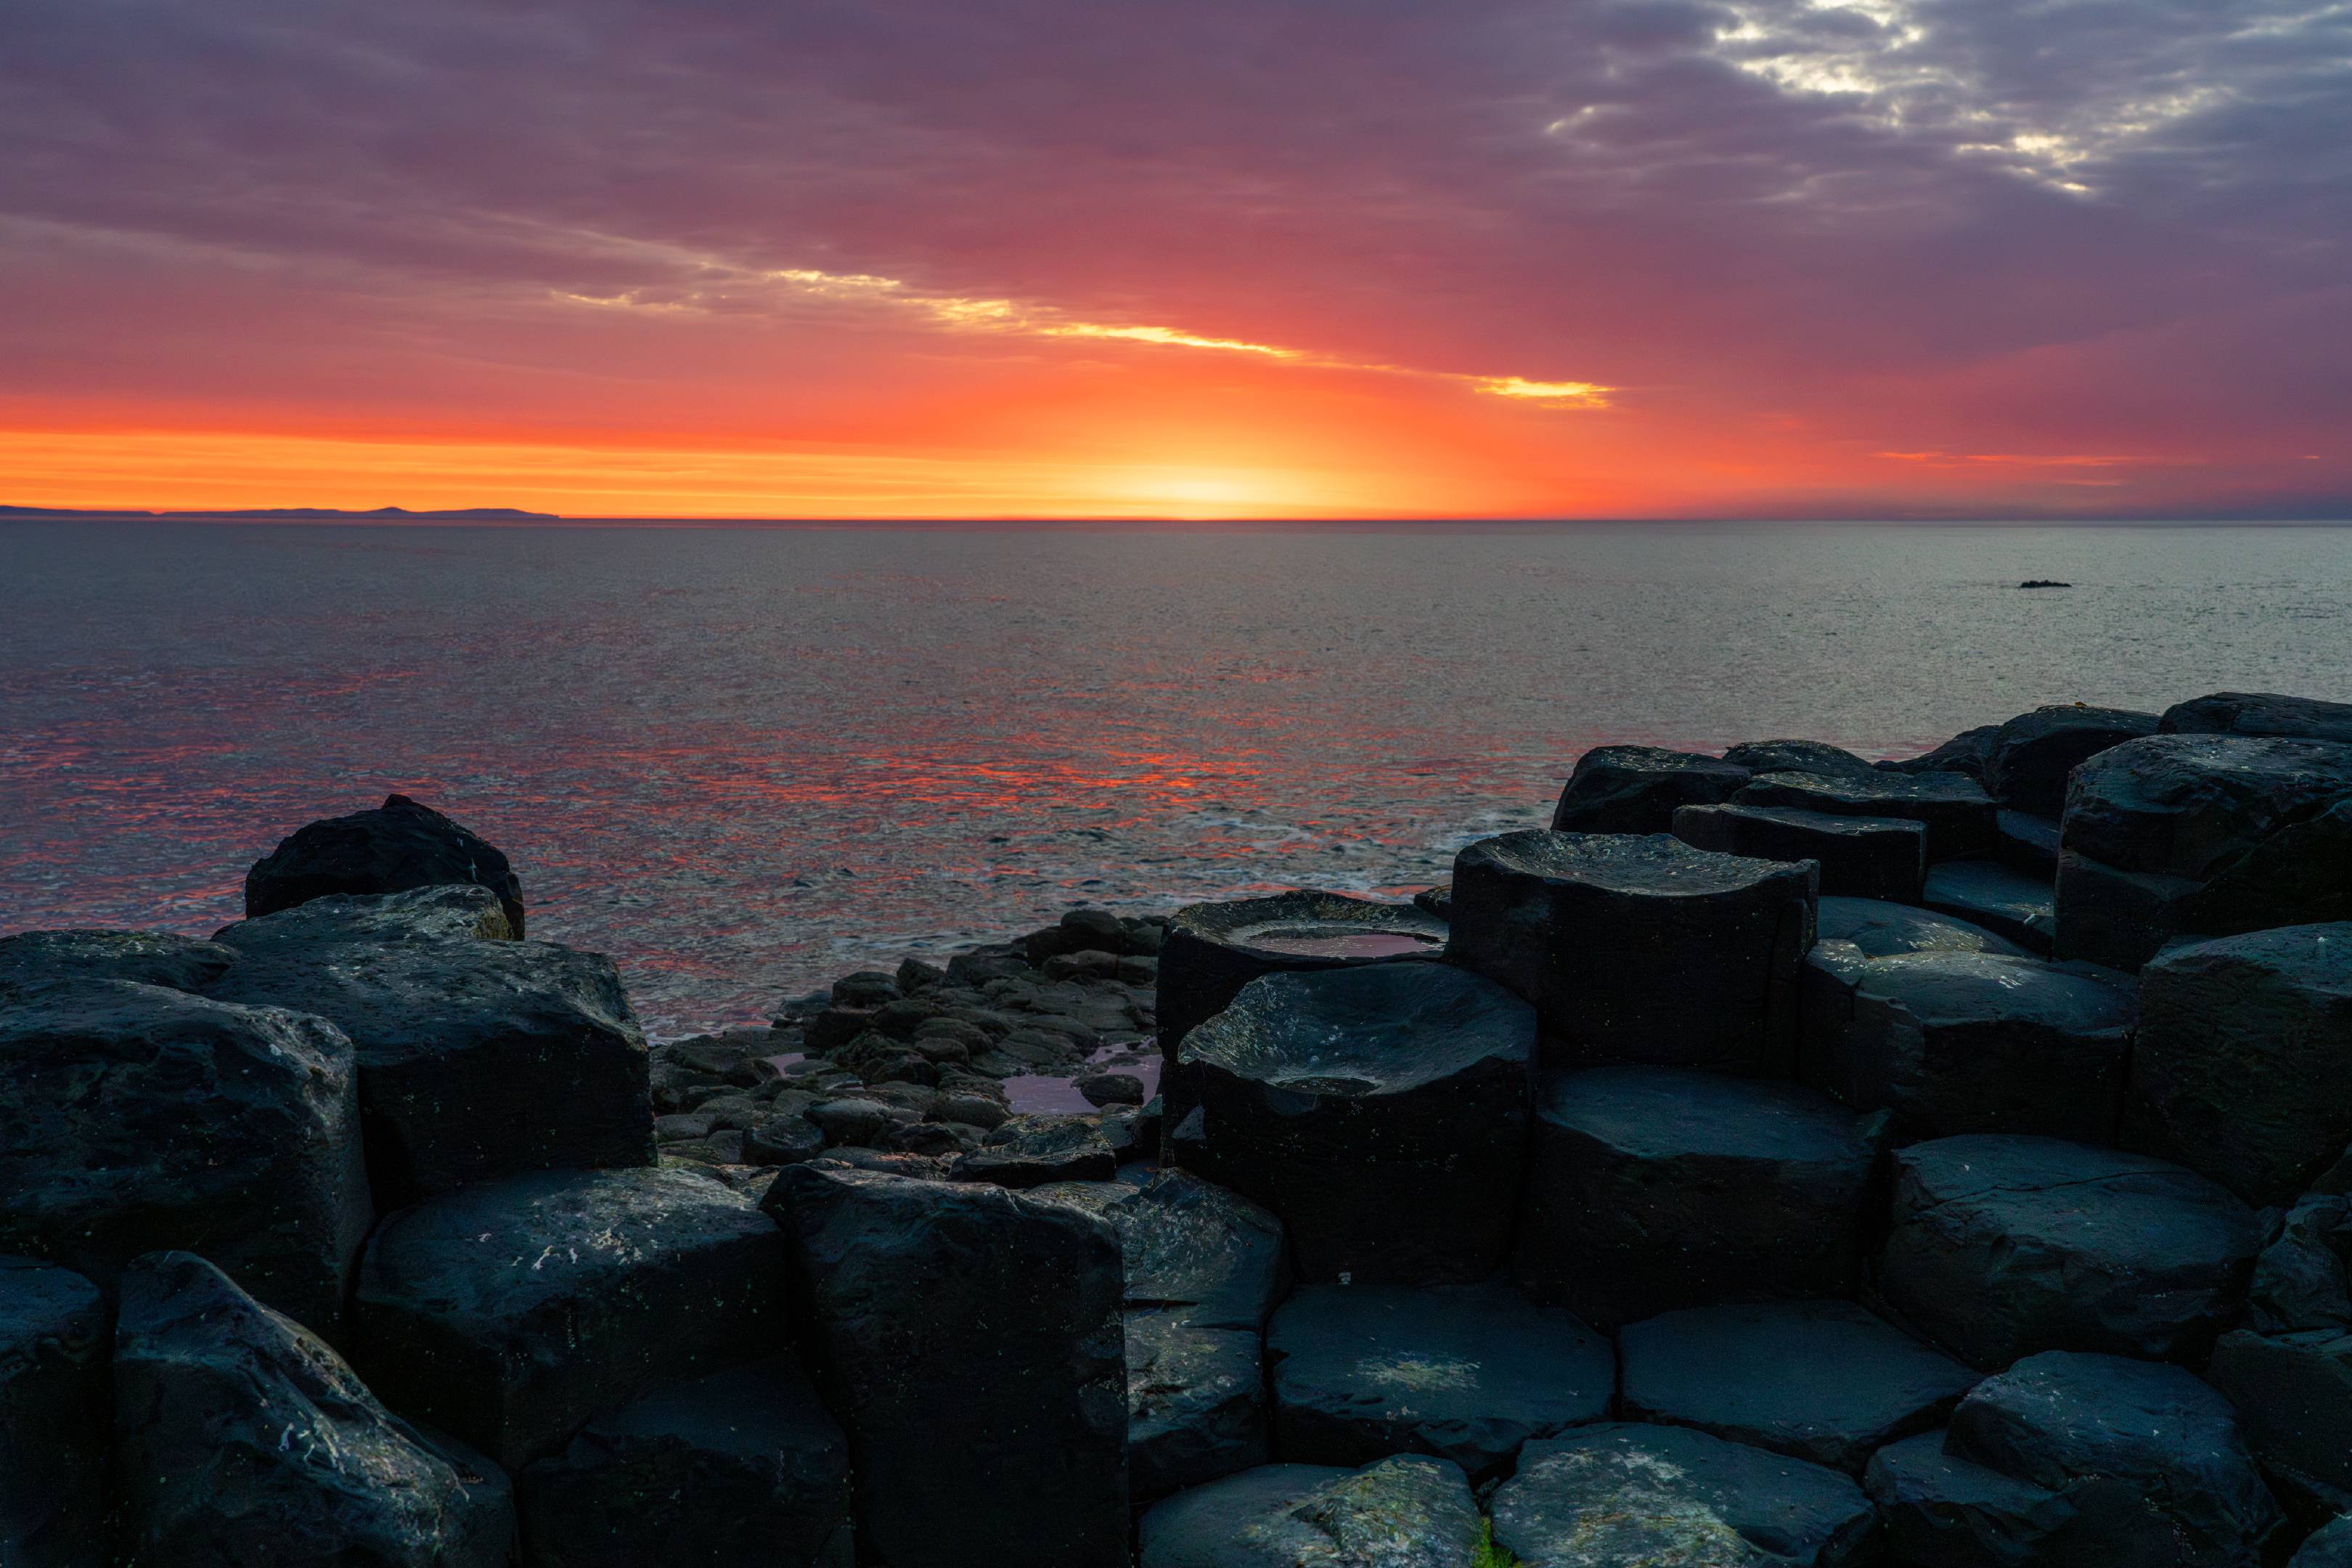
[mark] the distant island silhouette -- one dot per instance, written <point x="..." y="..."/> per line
<point x="302" y="513"/>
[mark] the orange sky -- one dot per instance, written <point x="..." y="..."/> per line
<point x="1255" y="261"/>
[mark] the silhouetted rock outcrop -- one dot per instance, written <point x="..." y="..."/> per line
<point x="398" y="845"/>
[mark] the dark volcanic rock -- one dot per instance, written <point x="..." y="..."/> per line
<point x="2243" y="1068"/>
<point x="1465" y="1372"/>
<point x="962" y="1320"/>
<point x="1987" y="893"/>
<point x="1380" y="1112"/>
<point x="2035" y="752"/>
<point x="54" y="1426"/>
<point x="135" y="1119"/>
<point x="1402" y="1512"/>
<point x="1636" y="789"/>
<point x="1953" y="808"/>
<point x="242" y="1439"/>
<point x="1861" y="857"/>
<point x="460" y="913"/>
<point x="147" y="957"/>
<point x="2329" y="1547"/>
<point x="1972" y="1042"/>
<point x="1941" y="1510"/>
<point x="1195" y="1401"/>
<point x="1799" y="757"/>
<point x="399" y="846"/>
<point x="1824" y="1381"/>
<point x="1624" y="1493"/>
<point x="2259" y="713"/>
<point x="1965" y="753"/>
<point x="738" y="1467"/>
<point x="1872" y="929"/>
<point x="1651" y="1189"/>
<point x="2293" y="1395"/>
<point x="1639" y="948"/>
<point x="2149" y="1455"/>
<point x="508" y="1313"/>
<point x="2028" y="845"/>
<point x="2003" y="1247"/>
<point x="2118" y="919"/>
<point x="1030" y="1151"/>
<point x="2188" y="805"/>
<point x="452" y="1035"/>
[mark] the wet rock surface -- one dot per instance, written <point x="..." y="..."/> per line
<point x="55" y="1430"/>
<point x="243" y="1438"/>
<point x="1381" y="1111"/>
<point x="1955" y="1041"/>
<point x="1639" y="948"/>
<point x="145" y="957"/>
<point x="452" y="1032"/>
<point x="398" y="845"/>
<point x="1860" y="857"/>
<point x="2022" y="907"/>
<point x="1798" y="757"/>
<point x="963" y="1318"/>
<point x="1402" y="1512"/>
<point x="140" y="1118"/>
<point x="1623" y="1492"/>
<point x="740" y="1466"/>
<point x="2243" y="1067"/>
<point x="1651" y="1189"/>
<point x="2259" y="713"/>
<point x="2003" y="1247"/>
<point x="1030" y="1151"/>
<point x="2033" y="753"/>
<point x="1825" y="1382"/>
<point x="510" y="1312"/>
<point x="1953" y="808"/>
<point x="1464" y="1372"/>
<point x="1637" y="789"/>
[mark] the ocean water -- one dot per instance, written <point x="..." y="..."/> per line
<point x="743" y="760"/>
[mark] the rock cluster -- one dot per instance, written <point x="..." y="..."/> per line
<point x="1785" y="1160"/>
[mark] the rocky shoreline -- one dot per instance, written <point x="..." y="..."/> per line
<point x="1784" y="1159"/>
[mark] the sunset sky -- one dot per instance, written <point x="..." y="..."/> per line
<point x="1215" y="257"/>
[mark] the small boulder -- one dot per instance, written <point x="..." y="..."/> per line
<point x="138" y="1119"/>
<point x="1824" y="1381"/>
<point x="1623" y="1493"/>
<point x="2003" y="1246"/>
<point x="145" y="957"/>
<point x="399" y="846"/>
<point x="1987" y="893"/>
<point x="509" y="1312"/>
<point x="2035" y="752"/>
<point x="1953" y="808"/>
<point x="1636" y="789"/>
<point x="1639" y="948"/>
<point x="241" y="1437"/>
<point x="783" y="1141"/>
<point x="1464" y="1372"/>
<point x="1799" y="757"/>
<point x="1402" y="1512"/>
<point x="54" y="1432"/>
<point x="2259" y="713"/>
<point x="963" y="1320"/>
<point x="1651" y="1189"/>
<point x="1110" y="1088"/>
<point x="1860" y="857"/>
<point x="735" y="1467"/>
<point x="1381" y="1111"/>
<point x="2243" y="1066"/>
<point x="1030" y="1151"/>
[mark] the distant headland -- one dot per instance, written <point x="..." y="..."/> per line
<point x="304" y="513"/>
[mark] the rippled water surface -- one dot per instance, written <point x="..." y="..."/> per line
<point x="743" y="760"/>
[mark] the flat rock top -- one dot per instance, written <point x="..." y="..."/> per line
<point x="1187" y="1242"/>
<point x="504" y="1248"/>
<point x="444" y="912"/>
<point x="1984" y="987"/>
<point x="1652" y="863"/>
<point x="1882" y="930"/>
<point x="2183" y="804"/>
<point x="2259" y="713"/>
<point x="2317" y="958"/>
<point x="1799" y="757"/>
<point x="1402" y="1512"/>
<point x="1474" y="1353"/>
<point x="1654" y="760"/>
<point x="1377" y="1029"/>
<point x="1824" y="822"/>
<point x="2048" y="1192"/>
<point x="1666" y="1112"/>
<point x="1308" y="924"/>
<point x="146" y="957"/>
<point x="1621" y="1492"/>
<point x="1877" y="787"/>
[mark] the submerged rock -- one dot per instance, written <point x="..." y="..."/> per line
<point x="508" y="1313"/>
<point x="54" y="1432"/>
<point x="1403" y="1512"/>
<point x="736" y="1467"/>
<point x="2003" y="1246"/>
<point x="398" y="845"/>
<point x="1953" y="808"/>
<point x="1621" y="1493"/>
<point x="1821" y="1381"/>
<point x="1861" y="857"/>
<point x="1651" y="1189"/>
<point x="962" y="1319"/>
<point x="1464" y="1372"/>
<point x="145" y="957"/>
<point x="1380" y="1112"/>
<point x="2033" y="754"/>
<point x="243" y="1439"/>
<point x="1639" y="949"/>
<point x="1636" y="789"/>
<point x="140" y="1118"/>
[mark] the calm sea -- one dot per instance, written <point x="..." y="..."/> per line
<point x="742" y="759"/>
